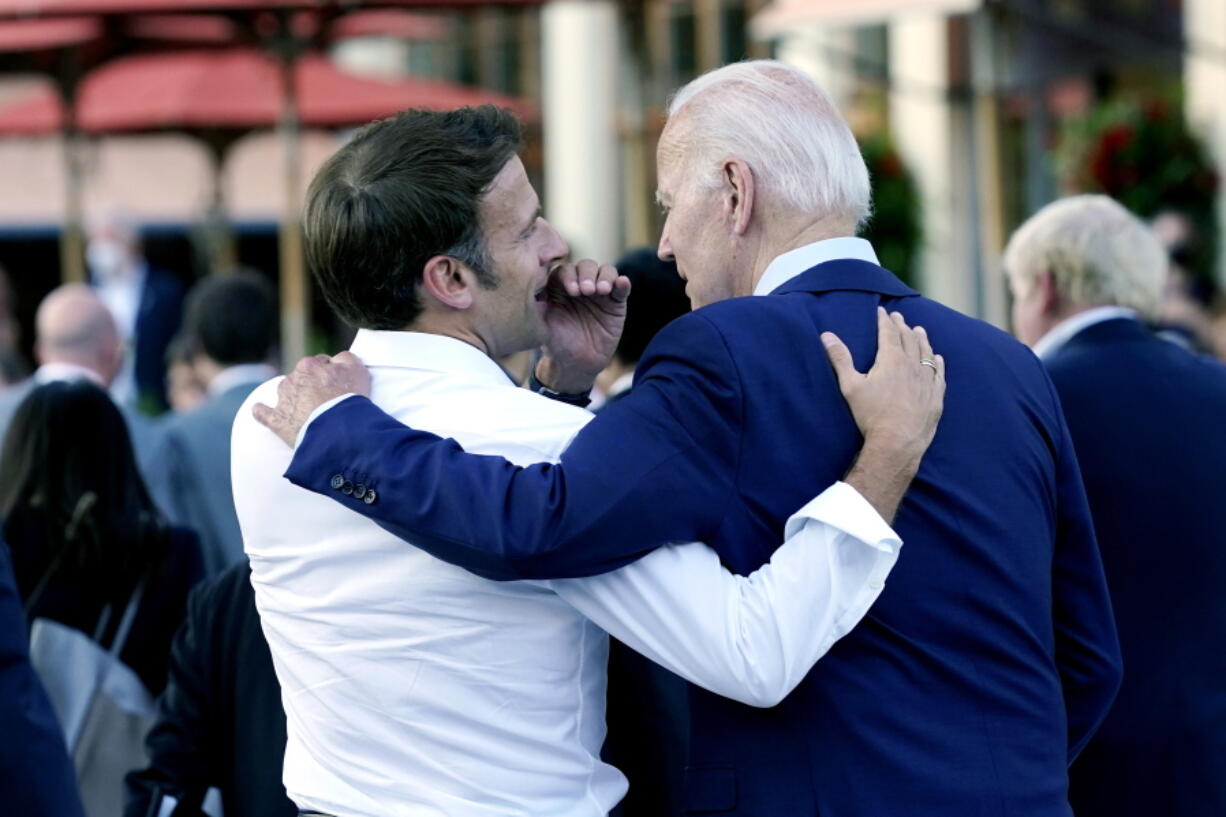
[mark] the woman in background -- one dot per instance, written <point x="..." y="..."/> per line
<point x="83" y="531"/>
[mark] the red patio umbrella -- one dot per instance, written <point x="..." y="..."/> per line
<point x="236" y="89"/>
<point x="26" y="9"/>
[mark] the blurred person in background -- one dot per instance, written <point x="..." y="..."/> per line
<point x="98" y="570"/>
<point x="146" y="302"/>
<point x="1183" y="316"/>
<point x="184" y="391"/>
<point x="1147" y="421"/>
<point x="76" y="339"/>
<point x="67" y="453"/>
<point x="12" y="365"/>
<point x="220" y="723"/>
<point x="36" y="775"/>
<point x="231" y="332"/>
<point x="657" y="297"/>
<point x="648" y="708"/>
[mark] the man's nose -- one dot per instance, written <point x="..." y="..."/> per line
<point x="556" y="248"/>
<point x="665" y="249"/>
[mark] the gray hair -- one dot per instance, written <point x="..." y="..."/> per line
<point x="1097" y="252"/>
<point x="781" y="122"/>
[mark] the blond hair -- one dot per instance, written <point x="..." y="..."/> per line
<point x="1097" y="252"/>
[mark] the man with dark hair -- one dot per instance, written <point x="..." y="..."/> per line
<point x="397" y="197"/>
<point x="412" y="686"/>
<point x="230" y="331"/>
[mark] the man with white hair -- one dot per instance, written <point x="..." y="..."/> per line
<point x="1146" y="417"/>
<point x="990" y="658"/>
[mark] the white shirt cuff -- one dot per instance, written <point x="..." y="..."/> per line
<point x="842" y="506"/>
<point x="302" y="431"/>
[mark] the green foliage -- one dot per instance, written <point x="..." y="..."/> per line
<point x="1142" y="154"/>
<point x="894" y="229"/>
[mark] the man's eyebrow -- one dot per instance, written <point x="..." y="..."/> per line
<point x="537" y="213"/>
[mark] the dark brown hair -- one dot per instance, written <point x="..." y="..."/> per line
<point x="68" y="470"/>
<point x="401" y="191"/>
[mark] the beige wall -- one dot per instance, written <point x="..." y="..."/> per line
<point x="1205" y="92"/>
<point x="156" y="178"/>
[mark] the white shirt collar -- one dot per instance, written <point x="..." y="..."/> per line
<point x="1063" y="332"/>
<point x="238" y="375"/>
<point x="60" y="372"/>
<point x="424" y="351"/>
<point x="792" y="263"/>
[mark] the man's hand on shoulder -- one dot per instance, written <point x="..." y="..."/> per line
<point x="896" y="405"/>
<point x="313" y="382"/>
<point x="587" y="309"/>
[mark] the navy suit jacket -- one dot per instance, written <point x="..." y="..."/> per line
<point x="987" y="661"/>
<point x="1148" y="420"/>
<point x="36" y="776"/>
<point x="158" y="319"/>
<point x="220" y="722"/>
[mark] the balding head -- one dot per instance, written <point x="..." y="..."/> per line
<point x="74" y="326"/>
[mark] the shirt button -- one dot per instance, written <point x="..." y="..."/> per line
<point x="370" y="497"/>
<point x="359" y="491"/>
<point x="337" y="482"/>
<point x="876" y="584"/>
<point x="347" y="488"/>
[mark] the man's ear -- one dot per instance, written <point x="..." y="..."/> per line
<point x="738" y="192"/>
<point x="1049" y="293"/>
<point x="447" y="281"/>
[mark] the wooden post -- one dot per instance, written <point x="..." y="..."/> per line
<point x="709" y="29"/>
<point x="72" y="239"/>
<point x="294" y="300"/>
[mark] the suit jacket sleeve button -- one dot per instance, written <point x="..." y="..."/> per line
<point x="337" y="482"/>
<point x="359" y="491"/>
<point x="370" y="497"/>
<point x="347" y="488"/>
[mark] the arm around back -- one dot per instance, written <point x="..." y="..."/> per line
<point x="658" y="466"/>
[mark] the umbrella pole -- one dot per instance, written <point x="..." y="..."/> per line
<point x="293" y="268"/>
<point x="219" y="235"/>
<point x="72" y="242"/>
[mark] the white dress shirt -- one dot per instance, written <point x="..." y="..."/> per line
<point x="56" y="372"/>
<point x="413" y="687"/>
<point x="792" y="263"/>
<point x="1063" y="332"/>
<point x="238" y="375"/>
<point x="122" y="295"/>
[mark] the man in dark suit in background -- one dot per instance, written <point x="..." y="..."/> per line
<point x="146" y="301"/>
<point x="990" y="657"/>
<point x="1148" y="420"/>
<point x="220" y="723"/>
<point x="231" y="331"/>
